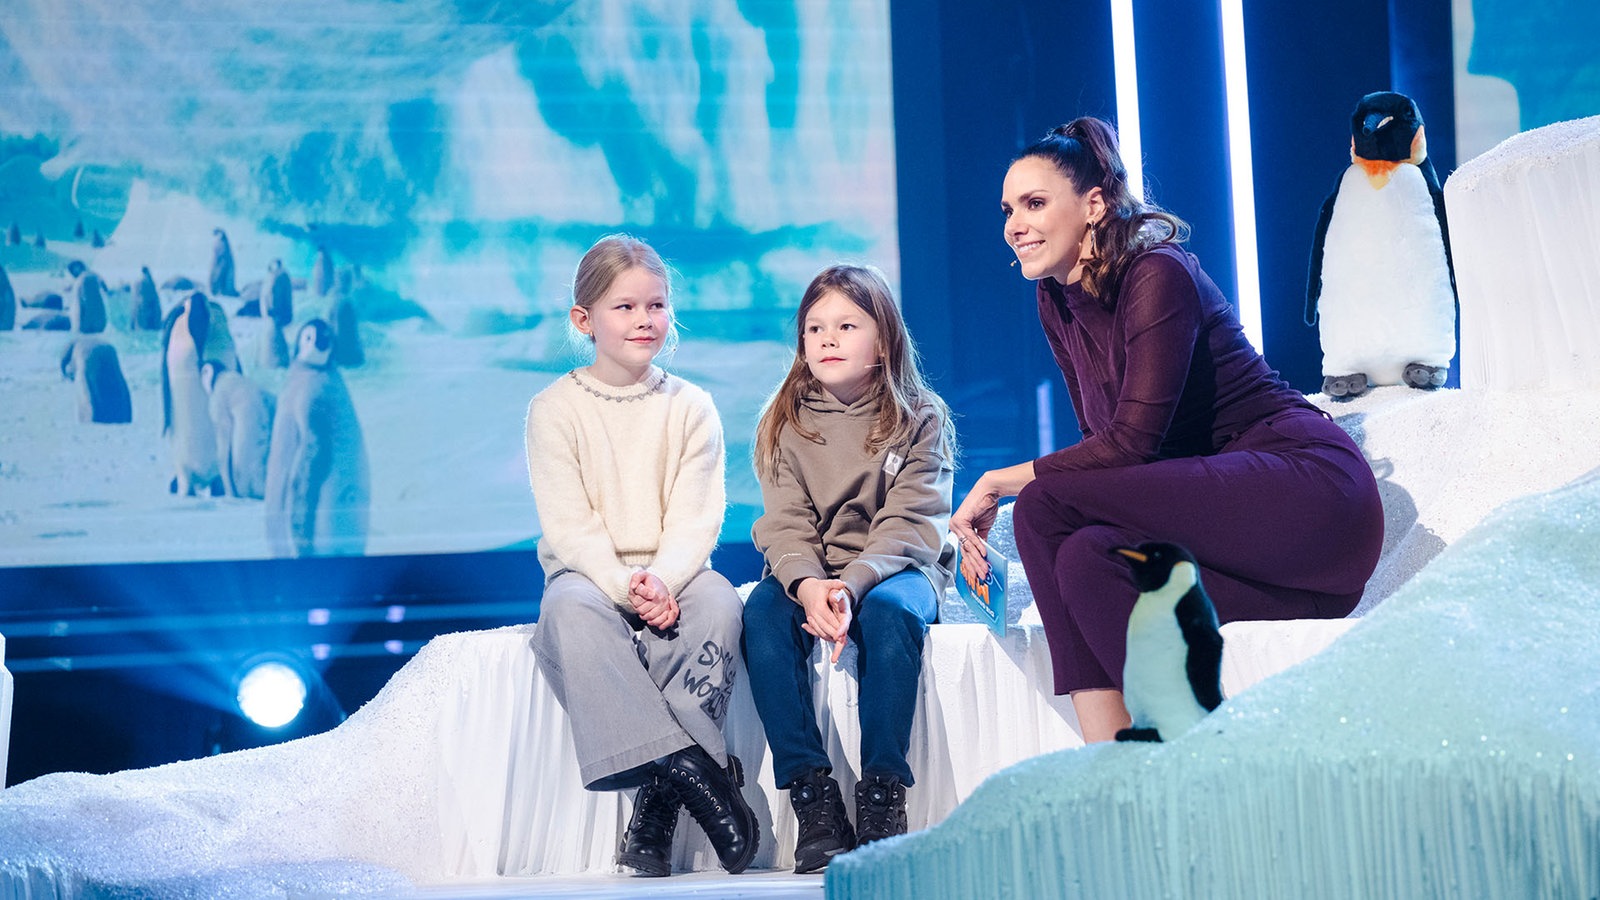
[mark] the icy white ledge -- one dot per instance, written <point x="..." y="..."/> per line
<point x="1447" y="746"/>
<point x="1524" y="232"/>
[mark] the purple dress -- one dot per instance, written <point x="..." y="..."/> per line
<point x="1188" y="437"/>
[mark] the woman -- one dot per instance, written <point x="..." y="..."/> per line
<point x="1188" y="436"/>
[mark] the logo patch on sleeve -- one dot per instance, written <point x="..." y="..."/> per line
<point x="892" y="462"/>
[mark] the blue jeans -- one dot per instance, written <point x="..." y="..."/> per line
<point x="888" y="629"/>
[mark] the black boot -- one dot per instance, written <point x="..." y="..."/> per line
<point x="880" y="807"/>
<point x="825" y="830"/>
<point x="647" y="847"/>
<point x="711" y="794"/>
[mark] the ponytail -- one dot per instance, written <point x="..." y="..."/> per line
<point x="1085" y="150"/>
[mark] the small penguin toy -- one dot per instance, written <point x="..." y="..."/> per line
<point x="1381" y="281"/>
<point x="1173" y="674"/>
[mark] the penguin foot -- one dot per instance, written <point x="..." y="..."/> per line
<point x="1139" y="734"/>
<point x="1424" y="377"/>
<point x="1345" y="387"/>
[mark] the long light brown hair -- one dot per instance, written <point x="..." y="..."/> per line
<point x="899" y="384"/>
<point x="1085" y="150"/>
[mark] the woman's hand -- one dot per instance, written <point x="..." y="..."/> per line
<point x="827" y="603"/>
<point x="971" y="523"/>
<point x="652" y="601"/>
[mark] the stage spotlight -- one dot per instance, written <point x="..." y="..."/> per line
<point x="271" y="691"/>
<point x="277" y="696"/>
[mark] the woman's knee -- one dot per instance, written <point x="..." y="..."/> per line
<point x="1044" y="506"/>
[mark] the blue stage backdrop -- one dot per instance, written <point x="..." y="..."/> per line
<point x="431" y="170"/>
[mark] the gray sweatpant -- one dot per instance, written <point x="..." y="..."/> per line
<point x="634" y="694"/>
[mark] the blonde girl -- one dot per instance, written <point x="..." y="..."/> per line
<point x="636" y="633"/>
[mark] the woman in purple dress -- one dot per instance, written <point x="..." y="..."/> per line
<point x="1188" y="436"/>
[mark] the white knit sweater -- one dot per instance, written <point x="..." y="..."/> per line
<point x="626" y="478"/>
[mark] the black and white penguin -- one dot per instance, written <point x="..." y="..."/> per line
<point x="102" y="393"/>
<point x="8" y="302"/>
<point x="1381" y="281"/>
<point x="322" y="275"/>
<point x="146" y="302"/>
<point x="278" y="298"/>
<point x="188" y="340"/>
<point x="1173" y="673"/>
<point x="241" y="415"/>
<point x="317" y="494"/>
<point x="221" y="265"/>
<point x="86" y="306"/>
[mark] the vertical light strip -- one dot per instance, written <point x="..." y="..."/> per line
<point x="1127" y="75"/>
<point x="1241" y="172"/>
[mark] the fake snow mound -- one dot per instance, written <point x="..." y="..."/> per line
<point x="1447" y="746"/>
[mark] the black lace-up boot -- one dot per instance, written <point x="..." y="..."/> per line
<point x="711" y="794"/>
<point x="880" y="808"/>
<point x="647" y="847"/>
<point x="824" y="826"/>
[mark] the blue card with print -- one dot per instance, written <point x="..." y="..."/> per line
<point x="987" y="598"/>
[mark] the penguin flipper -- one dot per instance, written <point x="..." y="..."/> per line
<point x="1437" y="194"/>
<point x="1314" y="277"/>
<point x="1139" y="734"/>
<point x="1197" y="620"/>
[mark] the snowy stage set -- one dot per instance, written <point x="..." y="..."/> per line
<point x="1441" y="743"/>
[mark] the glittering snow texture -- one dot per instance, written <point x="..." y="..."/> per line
<point x="1447" y="746"/>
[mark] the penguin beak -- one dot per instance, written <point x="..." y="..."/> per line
<point x="1374" y="121"/>
<point x="1132" y="554"/>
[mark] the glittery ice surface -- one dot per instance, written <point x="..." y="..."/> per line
<point x="366" y="807"/>
<point x="1447" y="746"/>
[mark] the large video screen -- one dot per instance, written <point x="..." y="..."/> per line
<point x="184" y="181"/>
<point x="1520" y="65"/>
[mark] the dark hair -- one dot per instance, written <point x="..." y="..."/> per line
<point x="1085" y="151"/>
<point x="899" y="382"/>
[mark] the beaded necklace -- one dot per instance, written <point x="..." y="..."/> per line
<point x="653" y="387"/>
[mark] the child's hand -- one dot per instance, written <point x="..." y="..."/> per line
<point x="652" y="601"/>
<point x="827" y="605"/>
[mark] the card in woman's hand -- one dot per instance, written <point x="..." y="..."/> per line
<point x="987" y="598"/>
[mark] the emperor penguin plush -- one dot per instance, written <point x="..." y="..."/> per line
<point x="1381" y="281"/>
<point x="317" y="491"/>
<point x="1173" y="673"/>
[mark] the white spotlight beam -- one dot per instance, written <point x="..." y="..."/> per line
<point x="1127" y="82"/>
<point x="1241" y="172"/>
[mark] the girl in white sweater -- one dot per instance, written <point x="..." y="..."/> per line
<point x="637" y="636"/>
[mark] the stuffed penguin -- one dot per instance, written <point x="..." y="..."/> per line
<point x="1381" y="281"/>
<point x="1173" y="673"/>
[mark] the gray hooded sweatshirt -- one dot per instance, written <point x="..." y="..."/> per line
<point x="833" y="511"/>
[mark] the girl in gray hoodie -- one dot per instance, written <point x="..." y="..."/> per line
<point x="854" y="454"/>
